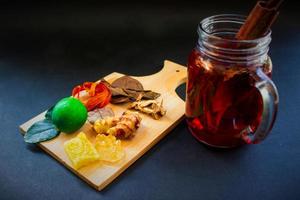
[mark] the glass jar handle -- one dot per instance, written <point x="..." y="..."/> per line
<point x="270" y="99"/>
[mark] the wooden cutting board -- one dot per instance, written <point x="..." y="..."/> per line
<point x="100" y="174"/>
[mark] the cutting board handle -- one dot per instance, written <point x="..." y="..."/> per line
<point x="170" y="77"/>
<point x="173" y="74"/>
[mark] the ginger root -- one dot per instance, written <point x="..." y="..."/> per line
<point x="121" y="127"/>
<point x="102" y="125"/>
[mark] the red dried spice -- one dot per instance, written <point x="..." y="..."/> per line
<point x="92" y="94"/>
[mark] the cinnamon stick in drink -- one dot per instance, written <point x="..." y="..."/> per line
<point x="259" y="20"/>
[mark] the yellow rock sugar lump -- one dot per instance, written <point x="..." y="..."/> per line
<point x="80" y="151"/>
<point x="109" y="148"/>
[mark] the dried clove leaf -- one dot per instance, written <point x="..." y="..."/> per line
<point x="118" y="91"/>
<point x="128" y="89"/>
<point x="150" y="95"/>
<point x="119" y="99"/>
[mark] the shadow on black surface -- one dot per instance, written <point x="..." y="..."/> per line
<point x="180" y="91"/>
<point x="34" y="148"/>
<point x="223" y="150"/>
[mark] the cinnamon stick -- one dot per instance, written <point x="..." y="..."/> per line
<point x="274" y="4"/>
<point x="259" y="20"/>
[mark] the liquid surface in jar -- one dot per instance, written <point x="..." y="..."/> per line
<point x="221" y="102"/>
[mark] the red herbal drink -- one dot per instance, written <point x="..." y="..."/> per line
<point x="230" y="98"/>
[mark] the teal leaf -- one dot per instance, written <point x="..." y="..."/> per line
<point x="41" y="131"/>
<point x="48" y="114"/>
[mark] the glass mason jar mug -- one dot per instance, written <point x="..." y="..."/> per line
<point x="230" y="98"/>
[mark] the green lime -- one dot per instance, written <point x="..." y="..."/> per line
<point x="69" y="115"/>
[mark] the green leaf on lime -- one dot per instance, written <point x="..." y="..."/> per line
<point x="48" y="114"/>
<point x="41" y="131"/>
<point x="68" y="115"/>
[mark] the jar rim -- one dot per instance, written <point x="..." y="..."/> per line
<point x="233" y="18"/>
<point x="217" y="40"/>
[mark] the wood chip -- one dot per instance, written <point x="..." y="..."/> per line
<point x="100" y="113"/>
<point x="150" y="107"/>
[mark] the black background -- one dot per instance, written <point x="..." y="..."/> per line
<point x="46" y="48"/>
